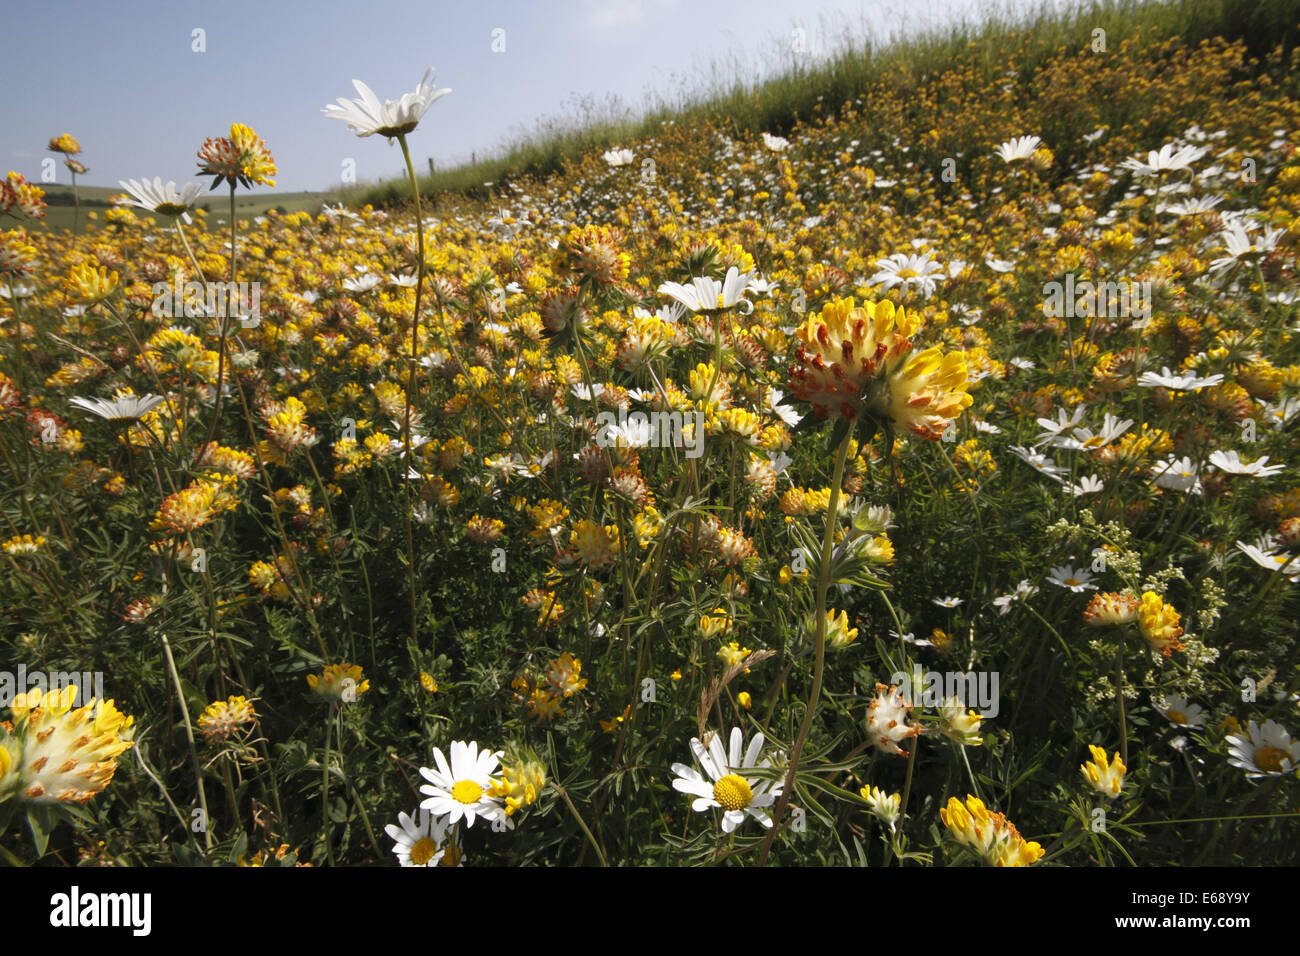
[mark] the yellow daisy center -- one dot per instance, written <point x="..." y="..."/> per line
<point x="732" y="792"/>
<point x="466" y="791"/>
<point x="422" y="850"/>
<point x="908" y="273"/>
<point x="1177" y="716"/>
<point x="1072" y="582"/>
<point x="1270" y="759"/>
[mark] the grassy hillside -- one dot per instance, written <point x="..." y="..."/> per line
<point x="910" y="70"/>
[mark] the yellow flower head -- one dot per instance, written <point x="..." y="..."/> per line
<point x="1110" y="608"/>
<point x="732" y="654"/>
<point x="24" y="544"/>
<point x="520" y="784"/>
<point x="838" y="633"/>
<point x="989" y="834"/>
<point x="1107" y="778"/>
<point x="884" y="805"/>
<point x="242" y="159"/>
<point x="1158" y="622"/>
<point x="67" y="755"/>
<point x="339" y="682"/>
<point x="927" y="391"/>
<point x="959" y="724"/>
<point x="64" y="143"/>
<point x="224" y="717"/>
<point x="565" y="675"/>
<point x="88" y="284"/>
<point x="844" y="349"/>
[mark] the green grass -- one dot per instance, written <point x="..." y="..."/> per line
<point x="60" y="212"/>
<point x="780" y="103"/>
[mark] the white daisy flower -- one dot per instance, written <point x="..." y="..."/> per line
<point x="164" y="200"/>
<point x="1264" y="751"/>
<point x="1091" y="485"/>
<point x="363" y="283"/>
<point x="1269" y="559"/>
<point x="709" y="295"/>
<point x="1112" y="428"/>
<point x="1177" y="474"/>
<point x="734" y="793"/>
<point x="1165" y="161"/>
<point x="1239" y="245"/>
<point x="419" y="844"/>
<point x="1077" y="580"/>
<point x="460" y="789"/>
<point x="785" y="412"/>
<point x="1039" y="462"/>
<point x="1177" y="383"/>
<point x="911" y="638"/>
<point x="947" y="601"/>
<point x="1023" y="590"/>
<point x="918" y="272"/>
<point x="1230" y="462"/>
<point x="394" y="117"/>
<point x="775" y="143"/>
<point x="121" y="407"/>
<point x="1021" y="147"/>
<point x="1181" y="713"/>
<point x="618" y="157"/>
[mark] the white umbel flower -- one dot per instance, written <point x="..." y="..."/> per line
<point x="392" y="118"/>
<point x="734" y="793"/>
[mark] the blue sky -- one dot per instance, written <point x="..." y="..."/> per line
<point x="125" y="79"/>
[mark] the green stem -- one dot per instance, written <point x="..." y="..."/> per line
<point x="410" y="385"/>
<point x="189" y="737"/>
<point x="819" y="665"/>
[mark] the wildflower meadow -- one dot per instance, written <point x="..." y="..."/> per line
<point x="892" y="465"/>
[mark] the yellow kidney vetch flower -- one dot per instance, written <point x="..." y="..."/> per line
<point x="62" y="754"/>
<point x="988" y="833"/>
<point x="1106" y="777"/>
<point x="64" y="143"/>
<point x="927" y="391"/>
<point x="88" y="284"/>
<point x="520" y="784"/>
<point x="339" y="682"/>
<point x="1158" y="623"/>
<point x="223" y="717"/>
<point x="838" y="633"/>
<point x="856" y="360"/>
<point x="843" y="349"/>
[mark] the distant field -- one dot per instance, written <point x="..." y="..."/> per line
<point x="94" y="199"/>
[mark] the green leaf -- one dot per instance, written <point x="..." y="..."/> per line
<point x="38" y="820"/>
